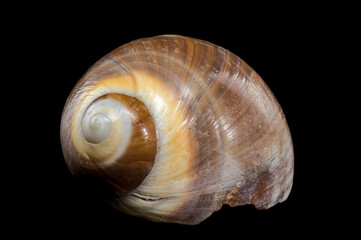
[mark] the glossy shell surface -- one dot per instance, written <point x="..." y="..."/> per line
<point x="170" y="128"/>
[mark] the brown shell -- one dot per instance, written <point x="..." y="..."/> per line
<point x="214" y="132"/>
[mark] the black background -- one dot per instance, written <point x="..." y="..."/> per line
<point x="288" y="47"/>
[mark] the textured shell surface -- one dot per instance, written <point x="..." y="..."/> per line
<point x="170" y="128"/>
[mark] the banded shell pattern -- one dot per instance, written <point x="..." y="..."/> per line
<point x="170" y="128"/>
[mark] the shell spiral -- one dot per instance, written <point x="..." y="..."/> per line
<point x="170" y="128"/>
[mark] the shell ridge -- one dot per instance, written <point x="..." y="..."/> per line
<point x="220" y="134"/>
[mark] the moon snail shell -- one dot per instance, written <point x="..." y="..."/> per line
<point x="170" y="128"/>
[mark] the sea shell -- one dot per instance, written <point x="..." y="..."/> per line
<point x="170" y="128"/>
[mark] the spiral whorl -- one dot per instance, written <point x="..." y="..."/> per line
<point x="174" y="127"/>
